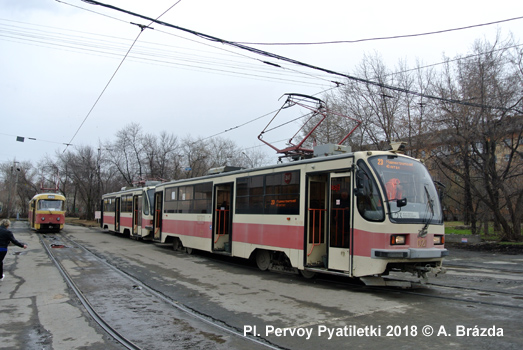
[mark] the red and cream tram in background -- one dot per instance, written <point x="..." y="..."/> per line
<point x="47" y="212"/>
<point x="360" y="214"/>
<point x="129" y="212"/>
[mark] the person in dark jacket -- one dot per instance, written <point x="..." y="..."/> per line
<point x="6" y="237"/>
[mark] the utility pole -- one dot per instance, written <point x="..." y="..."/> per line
<point x="10" y="205"/>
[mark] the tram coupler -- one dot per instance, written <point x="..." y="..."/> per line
<point x="422" y="271"/>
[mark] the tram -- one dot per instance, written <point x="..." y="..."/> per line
<point x="356" y="214"/>
<point x="47" y="212"/>
<point x="129" y="211"/>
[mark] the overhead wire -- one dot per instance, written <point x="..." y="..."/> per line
<point x="142" y="28"/>
<point x="202" y="43"/>
<point x="303" y="64"/>
<point x="101" y="94"/>
<point x="382" y="38"/>
<point x="243" y="74"/>
<point x="110" y="46"/>
<point x="153" y="21"/>
<point x="34" y="139"/>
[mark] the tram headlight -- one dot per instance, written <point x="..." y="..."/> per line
<point x="439" y="239"/>
<point x="58" y="219"/>
<point x="398" y="240"/>
<point x="43" y="218"/>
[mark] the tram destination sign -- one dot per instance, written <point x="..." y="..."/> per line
<point x="395" y="164"/>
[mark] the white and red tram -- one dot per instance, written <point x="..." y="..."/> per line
<point x="358" y="214"/>
<point x="129" y="212"/>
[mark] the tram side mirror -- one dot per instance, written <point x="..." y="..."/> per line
<point x="401" y="202"/>
<point x="361" y="183"/>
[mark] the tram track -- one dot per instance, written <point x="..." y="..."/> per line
<point x="473" y="295"/>
<point x="418" y="287"/>
<point x="59" y="242"/>
<point x="457" y="282"/>
<point x="84" y="301"/>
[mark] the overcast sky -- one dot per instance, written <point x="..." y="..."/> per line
<point x="56" y="58"/>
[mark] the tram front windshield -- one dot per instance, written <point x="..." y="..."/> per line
<point x="50" y="205"/>
<point x="408" y="188"/>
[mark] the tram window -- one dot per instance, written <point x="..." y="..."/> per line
<point x="256" y="205"/>
<point x="109" y="205"/>
<point x="171" y="194"/>
<point x="340" y="212"/>
<point x="49" y="205"/>
<point x="408" y="188"/>
<point x="242" y="187"/>
<point x="185" y="197"/>
<point x="242" y="205"/>
<point x="150" y="195"/>
<point x="282" y="183"/>
<point x="277" y="193"/>
<point x="189" y="199"/>
<point x="171" y="203"/>
<point x="249" y="195"/>
<point x="256" y="186"/>
<point x="145" y="205"/>
<point x="368" y="197"/>
<point x="202" y="198"/>
<point x="285" y="204"/>
<point x="127" y="204"/>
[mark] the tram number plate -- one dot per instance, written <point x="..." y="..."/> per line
<point x="422" y="242"/>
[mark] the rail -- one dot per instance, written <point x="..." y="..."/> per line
<point x="87" y="305"/>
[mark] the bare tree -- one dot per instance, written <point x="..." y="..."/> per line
<point x="17" y="187"/>
<point x="160" y="154"/>
<point x="196" y="158"/>
<point x="478" y="135"/>
<point x="83" y="170"/>
<point x="126" y="153"/>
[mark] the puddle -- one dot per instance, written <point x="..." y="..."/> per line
<point x="58" y="246"/>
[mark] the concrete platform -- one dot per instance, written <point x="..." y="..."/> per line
<point x="36" y="308"/>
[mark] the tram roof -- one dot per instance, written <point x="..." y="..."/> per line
<point x="48" y="195"/>
<point x="276" y="167"/>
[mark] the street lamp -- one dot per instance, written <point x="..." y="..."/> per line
<point x="249" y="159"/>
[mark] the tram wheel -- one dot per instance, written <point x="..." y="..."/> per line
<point x="188" y="251"/>
<point x="177" y="245"/>
<point x="307" y="274"/>
<point x="263" y="259"/>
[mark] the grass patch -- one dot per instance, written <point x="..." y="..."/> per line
<point x="455" y="231"/>
<point x="511" y="243"/>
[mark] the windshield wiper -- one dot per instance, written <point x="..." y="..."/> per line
<point x="430" y="205"/>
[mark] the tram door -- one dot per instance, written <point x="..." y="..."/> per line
<point x="137" y="215"/>
<point x="117" y="215"/>
<point x="222" y="217"/>
<point x="340" y="222"/>
<point x="316" y="248"/>
<point x="157" y="220"/>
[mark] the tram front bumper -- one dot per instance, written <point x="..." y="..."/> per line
<point x="411" y="253"/>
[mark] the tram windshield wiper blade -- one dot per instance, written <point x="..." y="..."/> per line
<point x="430" y="204"/>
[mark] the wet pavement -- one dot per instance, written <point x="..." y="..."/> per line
<point x="38" y="310"/>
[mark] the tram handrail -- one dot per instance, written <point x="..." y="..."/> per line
<point x="220" y="213"/>
<point x="314" y="228"/>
